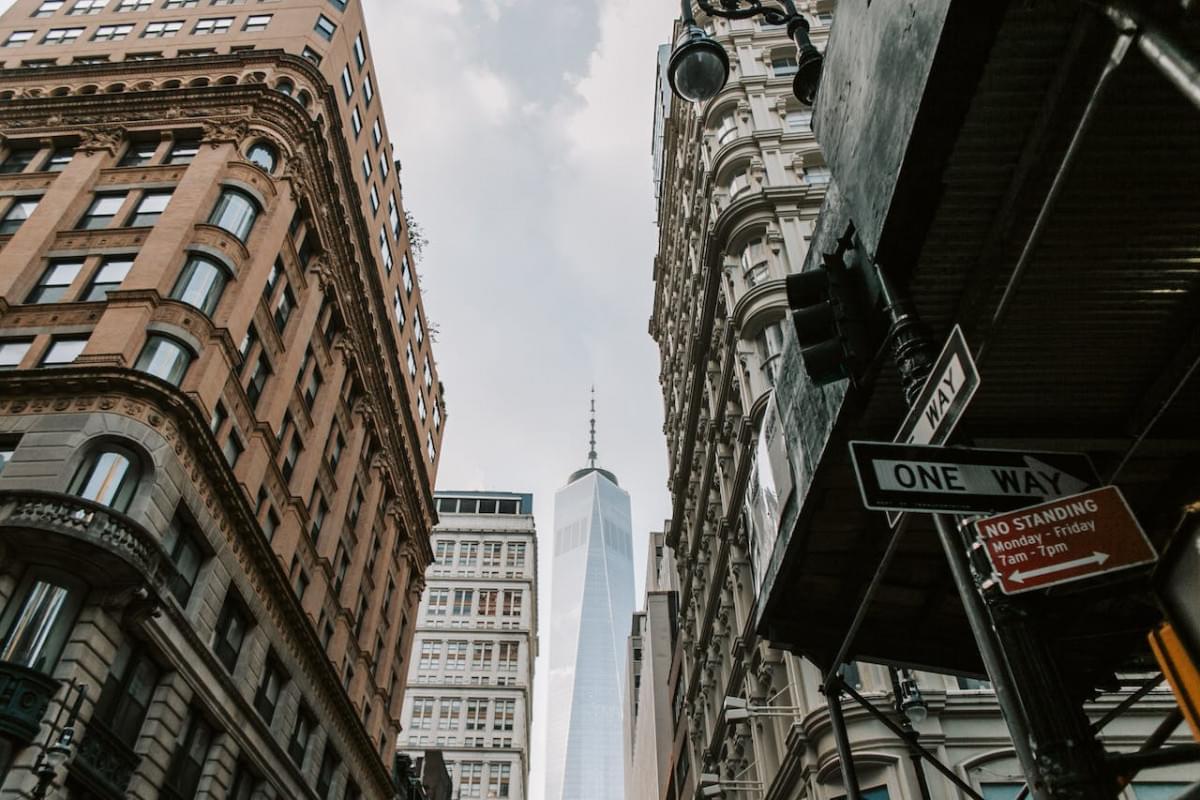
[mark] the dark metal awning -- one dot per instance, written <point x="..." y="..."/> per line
<point x="1096" y="350"/>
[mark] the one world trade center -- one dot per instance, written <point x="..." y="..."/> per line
<point x="591" y="605"/>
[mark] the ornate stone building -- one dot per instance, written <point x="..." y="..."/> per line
<point x="740" y="181"/>
<point x="220" y="416"/>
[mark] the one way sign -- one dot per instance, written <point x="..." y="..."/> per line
<point x="953" y="480"/>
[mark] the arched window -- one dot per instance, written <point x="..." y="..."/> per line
<point x="236" y="212"/>
<point x="770" y="343"/>
<point x="284" y="86"/>
<point x="739" y="183"/>
<point x="108" y="476"/>
<point x="755" y="267"/>
<point x="262" y="155"/>
<point x="200" y="284"/>
<point x="165" y="358"/>
<point x="727" y="130"/>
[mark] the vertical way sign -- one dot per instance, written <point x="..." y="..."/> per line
<point x="950" y="386"/>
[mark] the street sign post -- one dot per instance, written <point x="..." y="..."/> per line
<point x="949" y="388"/>
<point x="1065" y="540"/>
<point x="952" y="480"/>
<point x="951" y="384"/>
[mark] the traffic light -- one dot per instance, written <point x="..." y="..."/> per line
<point x="833" y="320"/>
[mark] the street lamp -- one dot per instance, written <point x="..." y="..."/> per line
<point x="57" y="749"/>
<point x="909" y="699"/>
<point x="699" y="67"/>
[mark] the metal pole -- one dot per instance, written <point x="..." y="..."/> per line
<point x="833" y="698"/>
<point x="910" y="737"/>
<point x="1161" y="49"/>
<point x="1127" y="703"/>
<point x="989" y="651"/>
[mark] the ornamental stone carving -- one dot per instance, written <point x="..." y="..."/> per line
<point x="225" y="131"/>
<point x="97" y="138"/>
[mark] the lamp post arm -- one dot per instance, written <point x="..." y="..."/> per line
<point x="733" y="9"/>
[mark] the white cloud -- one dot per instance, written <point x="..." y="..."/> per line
<point x="490" y="92"/>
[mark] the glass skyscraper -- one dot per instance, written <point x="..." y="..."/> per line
<point x="591" y="604"/>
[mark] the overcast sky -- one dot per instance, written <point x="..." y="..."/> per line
<point x="524" y="129"/>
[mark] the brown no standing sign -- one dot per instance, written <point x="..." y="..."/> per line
<point x="1064" y="540"/>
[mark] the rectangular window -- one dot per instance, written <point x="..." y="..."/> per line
<point x="394" y="216"/>
<point x="311" y="55"/>
<point x="360" y="52"/>
<point x="133" y="5"/>
<point x="126" y="693"/>
<point x="149" y="209"/>
<point x="257" y="22"/>
<point x="398" y="308"/>
<point x="183" y="151"/>
<point x="38" y="63"/>
<point x="312" y="387"/>
<point x="506" y="711"/>
<point x="63" y="350"/>
<point x="347" y="82"/>
<point x="443" y="551"/>
<point x="325" y="27"/>
<point x="12" y="351"/>
<point x="448" y="714"/>
<point x="385" y="165"/>
<point x="374" y="197"/>
<point x="406" y="273"/>
<point x="146" y="56"/>
<point x="291" y="456"/>
<point x="232" y="626"/>
<point x="283" y="308"/>
<point x="515" y="555"/>
<point x="499" y="778"/>
<point x="191" y="751"/>
<point x="48" y="7"/>
<point x="18" y="38"/>
<point x="59" y="159"/>
<point x="385" y="250"/>
<point x="232" y="449"/>
<point x="412" y="362"/>
<point x="506" y="656"/>
<point x="422" y="714"/>
<point x="138" y="154"/>
<point x="439" y="602"/>
<point x="419" y="330"/>
<point x="366" y="167"/>
<point x="266" y="699"/>
<point x="301" y="733"/>
<point x="18" y="159"/>
<point x="62" y="35"/>
<point x="181" y="3"/>
<point x="182" y="543"/>
<point x="368" y="89"/>
<point x="52" y="286"/>
<point x="468" y="554"/>
<point x="101" y="212"/>
<point x="111" y="33"/>
<point x="464" y="599"/>
<point x="329" y="765"/>
<point x="491" y="554"/>
<point x="87" y="7"/>
<point x="456" y="655"/>
<point x="17" y="213"/>
<point x="356" y="121"/>
<point x="481" y="659"/>
<point x="431" y="654"/>
<point x="212" y="26"/>
<point x="376" y="133"/>
<point x="470" y="779"/>
<point x="488" y="602"/>
<point x="258" y="379"/>
<point x="162" y="30"/>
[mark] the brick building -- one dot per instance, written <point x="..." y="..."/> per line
<point x="220" y="416"/>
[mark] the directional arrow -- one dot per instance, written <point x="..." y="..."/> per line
<point x="1094" y="558"/>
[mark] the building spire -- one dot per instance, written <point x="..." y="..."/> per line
<point x="592" y="452"/>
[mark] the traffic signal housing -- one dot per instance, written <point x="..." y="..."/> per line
<point x="833" y="317"/>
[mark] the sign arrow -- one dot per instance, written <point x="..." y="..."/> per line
<point x="1094" y="558"/>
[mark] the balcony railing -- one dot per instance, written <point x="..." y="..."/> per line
<point x="126" y="542"/>
<point x="24" y="696"/>
<point x="104" y="763"/>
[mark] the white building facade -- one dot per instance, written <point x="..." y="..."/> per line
<point x="591" y="605"/>
<point x="470" y="678"/>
